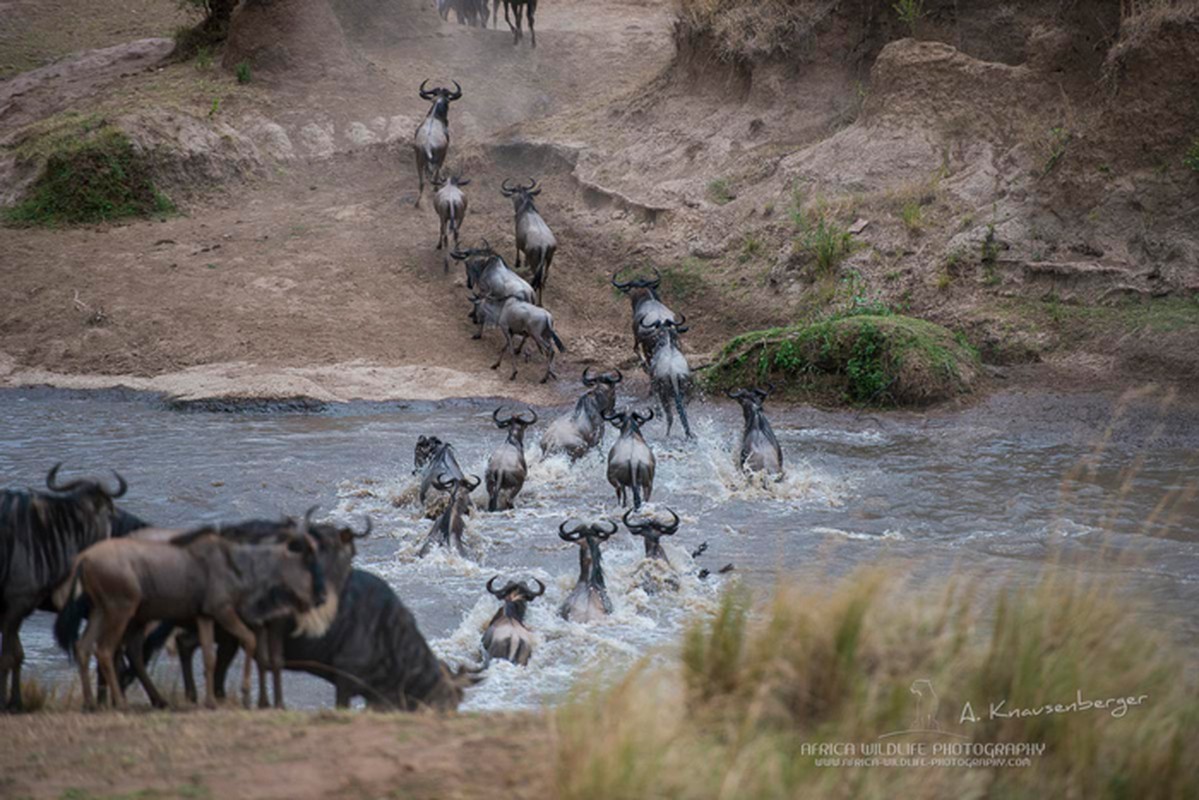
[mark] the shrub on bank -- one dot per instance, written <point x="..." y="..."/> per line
<point x="867" y="359"/>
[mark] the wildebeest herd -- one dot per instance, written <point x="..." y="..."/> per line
<point x="285" y="591"/>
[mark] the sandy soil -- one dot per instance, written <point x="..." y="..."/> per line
<point x="234" y="754"/>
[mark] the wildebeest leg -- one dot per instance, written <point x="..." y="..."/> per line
<point x="275" y="634"/>
<point x="109" y="641"/>
<point x="441" y="236"/>
<point x="503" y="348"/>
<point x="11" y="656"/>
<point x="548" y="351"/>
<point x="226" y="651"/>
<point x="207" y="650"/>
<point x="664" y="401"/>
<point x="133" y="651"/>
<point x="636" y="494"/>
<point x="533" y="36"/>
<point x="229" y="620"/>
<point x="263" y="659"/>
<point x="420" y="177"/>
<point x="185" y="644"/>
<point x="83" y="655"/>
<point x="344" y="693"/>
<point x="518" y="12"/>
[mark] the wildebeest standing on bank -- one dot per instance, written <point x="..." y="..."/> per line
<point x="760" y="450"/>
<point x="516" y="6"/>
<point x="198" y="576"/>
<point x="589" y="599"/>
<point x="468" y="12"/>
<point x="40" y="535"/>
<point x="488" y="275"/>
<point x="534" y="238"/>
<point x="450" y="203"/>
<point x="432" y="139"/>
<point x="517" y="318"/>
<point x="648" y="309"/>
<point x="507" y="636"/>
<point x="374" y="650"/>
<point x="506" y="469"/>
<point x="631" y="463"/>
<point x="582" y="429"/>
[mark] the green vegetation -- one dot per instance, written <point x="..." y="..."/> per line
<point x="909" y="12"/>
<point x="1055" y="148"/>
<point x="681" y="281"/>
<point x="190" y="40"/>
<point x="92" y="173"/>
<point x="1191" y="159"/>
<point x="204" y="58"/>
<point x="828" y="243"/>
<point x="718" y="191"/>
<point x="215" y="108"/>
<point x="243" y="72"/>
<point x="751" y="248"/>
<point x="912" y="215"/>
<point x="841" y="660"/>
<point x="865" y="355"/>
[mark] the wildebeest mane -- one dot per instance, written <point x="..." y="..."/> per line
<point x="51" y="529"/>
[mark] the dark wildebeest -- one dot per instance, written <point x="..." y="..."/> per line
<point x="589" y="599"/>
<point x="198" y="576"/>
<point x="490" y="276"/>
<point x="468" y="12"/>
<point x="669" y="372"/>
<point x="374" y="650"/>
<point x="582" y="429"/>
<point x="506" y="469"/>
<point x="516" y="6"/>
<point x="335" y="551"/>
<point x="448" y="527"/>
<point x="630" y="461"/>
<point x="450" y="203"/>
<point x="506" y="636"/>
<point x="652" y="532"/>
<point x="431" y="141"/>
<point x="517" y="318"/>
<point x="40" y="535"/>
<point x="534" y="238"/>
<point x="648" y="308"/>
<point x="760" y="451"/>
<point x="434" y="457"/>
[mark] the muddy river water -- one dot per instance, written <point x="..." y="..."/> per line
<point x="1103" y="482"/>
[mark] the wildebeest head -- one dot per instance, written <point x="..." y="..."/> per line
<point x="513" y="592"/>
<point x="440" y="97"/>
<point x="522" y="196"/>
<point x="426" y="449"/>
<point x="476" y="260"/>
<point x="515" y="422"/>
<point x="589" y="537"/>
<point x="629" y="422"/>
<point x="455" y="180"/>
<point x="448" y="483"/>
<point x="638" y="287"/>
<point x="335" y="551"/>
<point x="652" y="531"/>
<point x="666" y="327"/>
<point x="751" y="399"/>
<point x="88" y="492"/>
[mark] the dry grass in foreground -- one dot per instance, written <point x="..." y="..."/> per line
<point x="856" y="662"/>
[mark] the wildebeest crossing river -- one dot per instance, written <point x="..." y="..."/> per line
<point x="996" y="489"/>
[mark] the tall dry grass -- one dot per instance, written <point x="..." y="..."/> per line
<point x="744" y="30"/>
<point x="838" y="664"/>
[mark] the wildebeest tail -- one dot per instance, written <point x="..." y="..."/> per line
<point x="557" y="341"/>
<point x="70" y="619"/>
<point x="678" y="404"/>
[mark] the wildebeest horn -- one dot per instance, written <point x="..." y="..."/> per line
<point x="672" y="527"/>
<point x="735" y="394"/>
<point x="369" y="527"/>
<point x="470" y="487"/>
<point x="572" y="535"/>
<point x="615" y="417"/>
<point x="445" y="485"/>
<point x="495" y="416"/>
<point x="621" y="286"/>
<point x="641" y="418"/>
<point x="632" y="526"/>
<point x="424" y="94"/>
<point x="532" y="185"/>
<point x="521" y="418"/>
<point x="457" y="93"/>
<point x="459" y="255"/>
<point x="499" y="593"/>
<point x="308" y="519"/>
<point x="52" y="476"/>
<point x="601" y="533"/>
<point x="122" y="486"/>
<point x="586" y="380"/>
<point x="538" y="593"/>
<point x="608" y="379"/>
<point x="657" y="281"/>
<point x="505" y="189"/>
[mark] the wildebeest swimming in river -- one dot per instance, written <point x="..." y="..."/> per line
<point x="40" y="535"/>
<point x="507" y="636"/>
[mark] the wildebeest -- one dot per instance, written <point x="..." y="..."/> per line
<point x="534" y="238"/>
<point x="489" y="275"/>
<point x="40" y="535"/>
<point x="670" y="375"/>
<point x="374" y="650"/>
<point x="652" y="532"/>
<point x="516" y="6"/>
<point x="760" y="451"/>
<point x="199" y="576"/>
<point x="434" y="457"/>
<point x="450" y="203"/>
<point x="517" y="318"/>
<point x="431" y="141"/>
<point x="448" y="527"/>
<point x="468" y="12"/>
<point x="648" y="309"/>
<point x="335" y="552"/>
<point x="583" y="428"/>
<point x="589" y="599"/>
<point x="506" y="469"/>
<point x="630" y="461"/>
<point x="506" y="636"/>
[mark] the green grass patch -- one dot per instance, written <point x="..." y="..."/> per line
<point x="719" y="192"/>
<point x="92" y="174"/>
<point x="1191" y="159"/>
<point x="862" y="358"/>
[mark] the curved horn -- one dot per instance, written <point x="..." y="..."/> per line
<point x="602" y="533"/>
<point x="672" y="527"/>
<point x="52" y="476"/>
<point x="588" y="381"/>
<point x="540" y="592"/>
<point x="620" y="286"/>
<point x="657" y="281"/>
<point x="495" y="415"/>
<point x="457" y="91"/>
<point x="608" y="379"/>
<point x="532" y="185"/>
<point x="521" y="418"/>
<point x="643" y="418"/>
<point x="572" y="535"/>
<point x="497" y="593"/>
<point x="370" y="526"/>
<point x="445" y="485"/>
<point x="632" y="526"/>
<point x="505" y="189"/>
<point x="308" y="519"/>
<point x="470" y="487"/>
<point x="735" y="394"/>
<point x="122" y="486"/>
<point x="459" y="255"/>
<point x="423" y="93"/>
